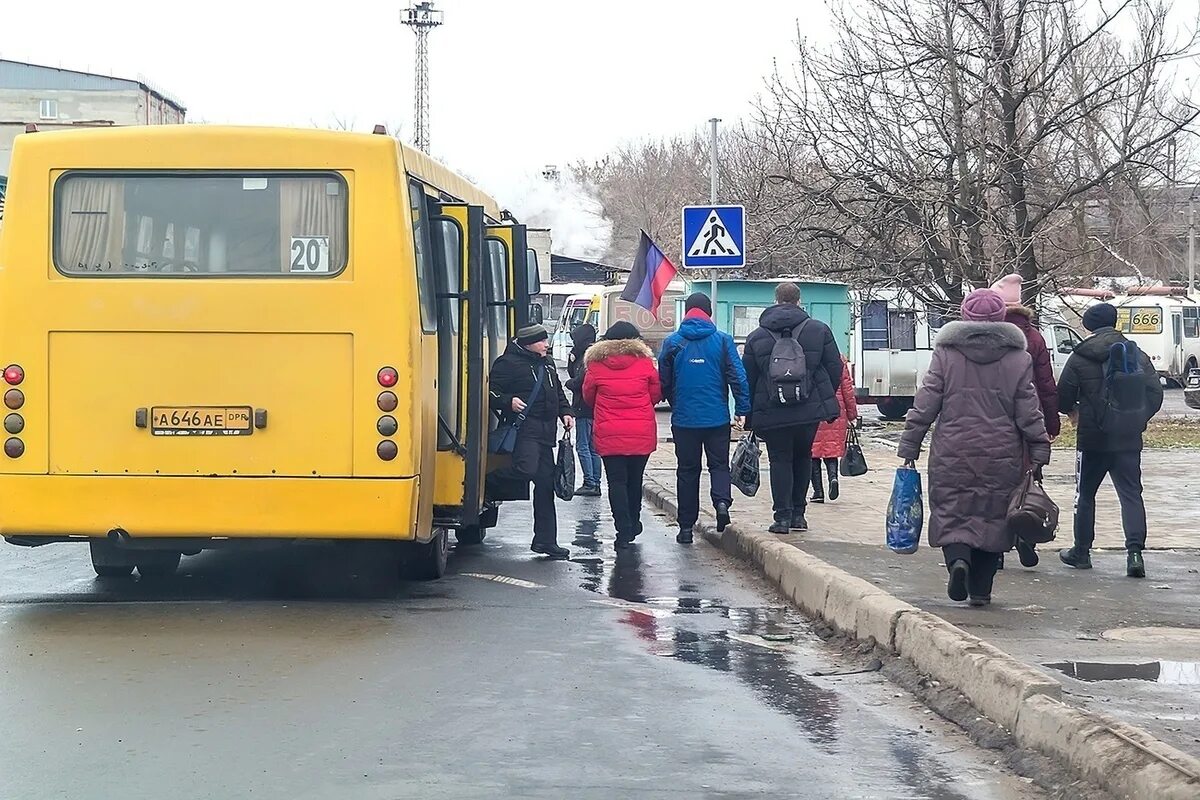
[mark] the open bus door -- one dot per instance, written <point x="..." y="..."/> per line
<point x="459" y="244"/>
<point x="509" y="259"/>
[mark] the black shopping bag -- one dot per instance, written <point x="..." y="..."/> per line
<point x="854" y="463"/>
<point x="564" y="469"/>
<point x="743" y="468"/>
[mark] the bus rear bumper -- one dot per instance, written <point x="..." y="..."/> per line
<point x="39" y="508"/>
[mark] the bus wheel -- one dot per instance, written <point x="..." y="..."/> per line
<point x="158" y="563"/>
<point x="108" y="561"/>
<point x="470" y="535"/>
<point x="893" y="408"/>
<point x="427" y="562"/>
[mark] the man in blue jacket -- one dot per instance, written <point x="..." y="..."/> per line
<point x="699" y="366"/>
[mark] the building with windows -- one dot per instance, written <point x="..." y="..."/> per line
<point x="52" y="98"/>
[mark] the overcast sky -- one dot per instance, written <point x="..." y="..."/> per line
<point x="514" y="85"/>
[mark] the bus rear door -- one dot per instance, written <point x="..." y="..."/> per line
<point x="458" y="244"/>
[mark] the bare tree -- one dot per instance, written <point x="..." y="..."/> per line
<point x="941" y="143"/>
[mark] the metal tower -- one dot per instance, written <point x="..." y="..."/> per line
<point x="422" y="18"/>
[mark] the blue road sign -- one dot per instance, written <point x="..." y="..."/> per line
<point x="714" y="236"/>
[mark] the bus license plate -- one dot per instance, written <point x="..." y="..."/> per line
<point x="201" y="421"/>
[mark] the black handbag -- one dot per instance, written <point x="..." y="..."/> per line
<point x="503" y="440"/>
<point x="743" y="468"/>
<point x="564" y="469"/>
<point x="854" y="463"/>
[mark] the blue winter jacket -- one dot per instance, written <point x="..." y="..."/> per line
<point x="698" y="366"/>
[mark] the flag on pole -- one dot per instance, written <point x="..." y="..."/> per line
<point x="648" y="278"/>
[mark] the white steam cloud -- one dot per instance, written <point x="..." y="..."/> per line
<point x="574" y="216"/>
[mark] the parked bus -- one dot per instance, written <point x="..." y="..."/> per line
<point x="604" y="307"/>
<point x="220" y="336"/>
<point x="1164" y="321"/>
<point x="554" y="296"/>
<point x="893" y="343"/>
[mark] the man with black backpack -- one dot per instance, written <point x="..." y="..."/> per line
<point x="1110" y="389"/>
<point x="793" y="367"/>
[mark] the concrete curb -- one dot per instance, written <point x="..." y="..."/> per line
<point x="1123" y="759"/>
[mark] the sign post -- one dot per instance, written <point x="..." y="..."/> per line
<point x="714" y="238"/>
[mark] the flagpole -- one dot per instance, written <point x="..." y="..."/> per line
<point x="712" y="197"/>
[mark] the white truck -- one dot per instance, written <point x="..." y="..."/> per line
<point x="892" y="342"/>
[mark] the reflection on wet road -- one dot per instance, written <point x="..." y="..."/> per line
<point x="663" y="671"/>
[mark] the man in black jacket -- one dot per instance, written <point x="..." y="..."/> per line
<point x="1102" y="447"/>
<point x="582" y="338"/>
<point x="789" y="429"/>
<point x="513" y="378"/>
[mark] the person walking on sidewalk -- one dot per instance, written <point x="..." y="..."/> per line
<point x="1111" y="390"/>
<point x="1009" y="288"/>
<point x="979" y="390"/>
<point x="830" y="444"/>
<point x="622" y="387"/>
<point x="699" y="367"/>
<point x="793" y="368"/>
<point x="582" y="338"/>
<point x="522" y="367"/>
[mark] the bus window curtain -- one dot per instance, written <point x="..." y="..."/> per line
<point x="306" y="208"/>
<point x="91" y="224"/>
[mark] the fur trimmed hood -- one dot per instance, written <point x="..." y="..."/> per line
<point x="608" y="348"/>
<point x="982" y="342"/>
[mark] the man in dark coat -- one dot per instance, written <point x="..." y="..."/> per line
<point x="513" y="378"/>
<point x="583" y="337"/>
<point x="1105" y="449"/>
<point x="789" y="430"/>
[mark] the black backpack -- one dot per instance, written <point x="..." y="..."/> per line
<point x="1124" y="391"/>
<point x="788" y="378"/>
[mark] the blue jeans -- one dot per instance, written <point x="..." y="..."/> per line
<point x="589" y="461"/>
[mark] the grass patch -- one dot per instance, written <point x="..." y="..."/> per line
<point x="1161" y="433"/>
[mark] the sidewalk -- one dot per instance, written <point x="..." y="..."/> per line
<point x="1049" y="614"/>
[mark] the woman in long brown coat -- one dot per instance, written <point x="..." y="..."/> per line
<point x="979" y="389"/>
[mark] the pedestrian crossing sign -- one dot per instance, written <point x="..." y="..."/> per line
<point x="714" y="237"/>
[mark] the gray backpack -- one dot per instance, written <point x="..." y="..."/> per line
<point x="788" y="378"/>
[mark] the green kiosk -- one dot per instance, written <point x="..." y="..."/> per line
<point x="740" y="302"/>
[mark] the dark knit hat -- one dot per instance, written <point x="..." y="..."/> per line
<point x="1101" y="315"/>
<point x="622" y="330"/>
<point x="698" y="300"/>
<point x="532" y="333"/>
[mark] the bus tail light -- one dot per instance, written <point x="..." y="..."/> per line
<point x="13" y="375"/>
<point x="386" y="450"/>
<point x="388" y="377"/>
<point x="14" y="448"/>
<point x="14" y="399"/>
<point x="386" y="401"/>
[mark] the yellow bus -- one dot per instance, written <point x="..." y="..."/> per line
<point x="217" y="336"/>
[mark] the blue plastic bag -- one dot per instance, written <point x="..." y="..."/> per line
<point x="905" y="512"/>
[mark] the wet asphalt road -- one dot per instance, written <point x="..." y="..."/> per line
<point x="314" y="674"/>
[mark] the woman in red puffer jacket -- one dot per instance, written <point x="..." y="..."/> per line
<point x="622" y="387"/>
<point x="830" y="444"/>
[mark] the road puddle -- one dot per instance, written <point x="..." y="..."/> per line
<point x="1175" y="673"/>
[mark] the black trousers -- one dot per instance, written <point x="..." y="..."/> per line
<point x="789" y="451"/>
<point x="624" y="475"/>
<point x="1125" y="469"/>
<point x="831" y="466"/>
<point x="545" y="518"/>
<point x="982" y="565"/>
<point x="690" y="445"/>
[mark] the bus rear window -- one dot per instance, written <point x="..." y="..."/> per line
<point x="200" y="224"/>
